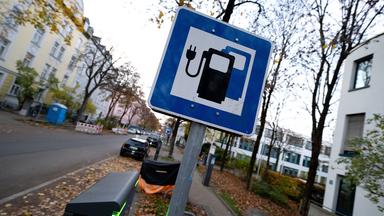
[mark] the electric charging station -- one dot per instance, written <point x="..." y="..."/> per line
<point x="212" y="74"/>
<point x="112" y="195"/>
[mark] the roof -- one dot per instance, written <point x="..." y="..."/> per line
<point x="59" y="105"/>
<point x="367" y="41"/>
<point x="139" y="140"/>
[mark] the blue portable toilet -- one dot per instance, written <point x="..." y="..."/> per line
<point x="56" y="113"/>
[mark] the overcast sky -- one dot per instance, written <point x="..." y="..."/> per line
<point x="125" y="25"/>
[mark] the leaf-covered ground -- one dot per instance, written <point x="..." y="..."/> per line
<point x="227" y="183"/>
<point x="52" y="199"/>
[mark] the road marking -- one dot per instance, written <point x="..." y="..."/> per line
<point x="29" y="190"/>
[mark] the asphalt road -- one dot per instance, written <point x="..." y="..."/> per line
<point x="31" y="155"/>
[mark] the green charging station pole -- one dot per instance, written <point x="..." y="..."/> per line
<point x="188" y="164"/>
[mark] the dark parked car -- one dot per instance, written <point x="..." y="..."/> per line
<point x="135" y="147"/>
<point x="154" y="140"/>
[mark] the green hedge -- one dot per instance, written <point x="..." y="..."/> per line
<point x="291" y="187"/>
<point x="264" y="189"/>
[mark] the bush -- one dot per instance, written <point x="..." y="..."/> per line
<point x="239" y="164"/>
<point x="264" y="189"/>
<point x="219" y="153"/>
<point x="108" y="123"/>
<point x="291" y="187"/>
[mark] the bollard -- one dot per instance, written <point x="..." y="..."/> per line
<point x="208" y="172"/>
<point x="112" y="195"/>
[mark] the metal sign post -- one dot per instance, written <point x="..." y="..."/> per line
<point x="184" y="177"/>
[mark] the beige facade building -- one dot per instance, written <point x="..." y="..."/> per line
<point x="46" y="52"/>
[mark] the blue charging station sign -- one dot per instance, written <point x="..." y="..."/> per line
<point x="212" y="73"/>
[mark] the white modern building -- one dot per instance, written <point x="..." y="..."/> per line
<point x="361" y="97"/>
<point x="291" y="159"/>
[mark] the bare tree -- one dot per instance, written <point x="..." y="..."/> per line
<point x="216" y="8"/>
<point x="281" y="28"/>
<point x="99" y="65"/>
<point x="225" y="153"/>
<point x="173" y="137"/>
<point x="122" y="85"/>
<point x="148" y="119"/>
<point x="132" y="105"/>
<point x="334" y="38"/>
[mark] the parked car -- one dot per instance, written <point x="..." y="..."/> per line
<point x="154" y="140"/>
<point x="135" y="147"/>
<point x="134" y="130"/>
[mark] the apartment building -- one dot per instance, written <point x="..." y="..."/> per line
<point x="361" y="97"/>
<point x="48" y="53"/>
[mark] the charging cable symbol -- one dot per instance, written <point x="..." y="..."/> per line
<point x="216" y="73"/>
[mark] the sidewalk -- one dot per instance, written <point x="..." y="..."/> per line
<point x="200" y="194"/>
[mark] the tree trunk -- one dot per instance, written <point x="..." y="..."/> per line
<point x="223" y="140"/>
<point x="271" y="144"/>
<point x="256" y="149"/>
<point x="82" y="108"/>
<point x="223" y="158"/>
<point x="268" y="159"/>
<point x="115" y="98"/>
<point x="316" y="147"/>
<point x="230" y="147"/>
<point x="124" y="112"/>
<point x="173" y="138"/>
<point x="229" y="10"/>
<point x="277" y="160"/>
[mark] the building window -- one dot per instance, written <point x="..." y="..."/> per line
<point x="246" y="144"/>
<point x="57" y="51"/>
<point x="10" y="20"/>
<point x="354" y="129"/>
<point x="363" y="72"/>
<point x="28" y="59"/>
<point x="323" y="180"/>
<point x="292" y="157"/>
<point x="327" y="150"/>
<point x="303" y="174"/>
<point x="295" y="141"/>
<point x="306" y="161"/>
<point x="324" y="168"/>
<point x="265" y="150"/>
<point x="268" y="133"/>
<point x="60" y="53"/>
<point x="53" y="71"/>
<point x="36" y="39"/>
<point x="79" y="43"/>
<point x="4" y="44"/>
<point x="45" y="74"/>
<point x="15" y="90"/>
<point x="308" y="145"/>
<point x="55" y="48"/>
<point x="72" y="63"/>
<point x="290" y="171"/>
<point x="65" y="80"/>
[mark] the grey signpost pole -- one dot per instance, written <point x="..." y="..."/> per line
<point x="184" y="177"/>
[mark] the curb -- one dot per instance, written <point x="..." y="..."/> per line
<point x="225" y="204"/>
<point x="221" y="200"/>
<point x="37" y="187"/>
